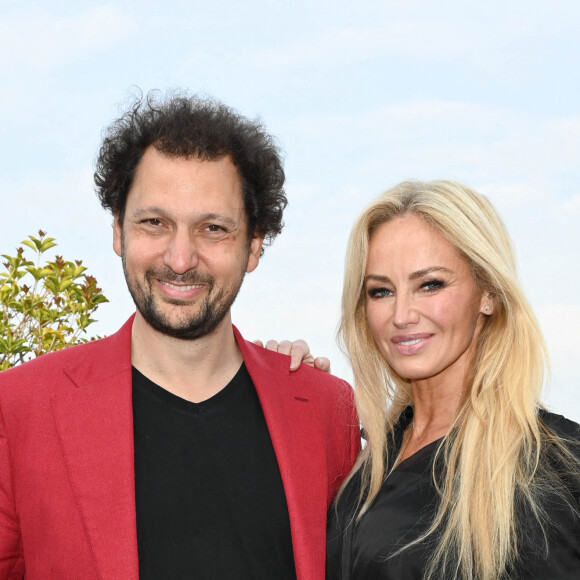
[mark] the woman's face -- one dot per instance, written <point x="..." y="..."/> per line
<point x="423" y="307"/>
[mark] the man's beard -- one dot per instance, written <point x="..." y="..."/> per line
<point x="210" y="312"/>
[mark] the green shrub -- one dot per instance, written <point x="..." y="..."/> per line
<point x="45" y="305"/>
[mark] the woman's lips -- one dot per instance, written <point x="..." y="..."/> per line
<point x="408" y="344"/>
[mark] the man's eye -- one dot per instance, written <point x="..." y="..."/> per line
<point x="152" y="222"/>
<point x="214" y="228"/>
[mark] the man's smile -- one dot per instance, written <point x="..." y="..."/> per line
<point x="181" y="287"/>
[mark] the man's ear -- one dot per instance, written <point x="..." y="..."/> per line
<point x="117" y="234"/>
<point x="255" y="252"/>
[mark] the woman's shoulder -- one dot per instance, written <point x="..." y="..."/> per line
<point x="562" y="434"/>
<point x="560" y="425"/>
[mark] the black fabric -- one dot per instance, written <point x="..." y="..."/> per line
<point x="405" y="505"/>
<point x="209" y="496"/>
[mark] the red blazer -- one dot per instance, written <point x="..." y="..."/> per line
<point x="67" y="483"/>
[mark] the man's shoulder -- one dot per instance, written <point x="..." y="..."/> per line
<point x="38" y="378"/>
<point x="60" y="358"/>
<point x="322" y="381"/>
<point x="50" y="367"/>
<point x="274" y="368"/>
<point x="281" y="363"/>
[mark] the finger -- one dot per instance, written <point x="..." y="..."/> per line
<point x="259" y="343"/>
<point x="300" y="353"/>
<point x="285" y="347"/>
<point x="322" y="363"/>
<point x="272" y="345"/>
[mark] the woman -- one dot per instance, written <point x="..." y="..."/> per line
<point x="464" y="475"/>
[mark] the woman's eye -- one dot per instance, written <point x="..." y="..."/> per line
<point x="432" y="285"/>
<point x="379" y="292"/>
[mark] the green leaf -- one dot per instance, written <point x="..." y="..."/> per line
<point x="31" y="245"/>
<point x="64" y="284"/>
<point x="47" y="244"/>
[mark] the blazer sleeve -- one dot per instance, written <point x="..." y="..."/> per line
<point x="355" y="429"/>
<point x="11" y="556"/>
<point x="347" y="442"/>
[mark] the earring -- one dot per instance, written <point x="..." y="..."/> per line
<point x="487" y="307"/>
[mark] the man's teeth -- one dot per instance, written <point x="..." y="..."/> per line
<point x="408" y="342"/>
<point x="182" y="288"/>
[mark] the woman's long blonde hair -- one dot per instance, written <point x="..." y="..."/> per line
<point x="491" y="455"/>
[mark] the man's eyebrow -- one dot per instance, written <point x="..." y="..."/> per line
<point x="146" y="211"/>
<point x="413" y="276"/>
<point x="205" y="217"/>
<point x="218" y="217"/>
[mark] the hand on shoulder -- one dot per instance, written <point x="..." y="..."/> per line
<point x="299" y="353"/>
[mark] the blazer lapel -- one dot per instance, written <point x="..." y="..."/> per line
<point x="294" y="426"/>
<point x="94" y="420"/>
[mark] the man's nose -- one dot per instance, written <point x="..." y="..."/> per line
<point x="181" y="254"/>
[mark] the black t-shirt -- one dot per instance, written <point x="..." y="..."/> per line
<point x="209" y="496"/>
<point x="405" y="506"/>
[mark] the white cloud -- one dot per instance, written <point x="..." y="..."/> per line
<point x="415" y="39"/>
<point x="514" y="195"/>
<point x="416" y="33"/>
<point x="571" y="207"/>
<point x="475" y="139"/>
<point x="39" y="40"/>
<point x="560" y="323"/>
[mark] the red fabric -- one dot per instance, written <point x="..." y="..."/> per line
<point x="67" y="497"/>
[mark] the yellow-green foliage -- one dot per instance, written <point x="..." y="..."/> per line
<point x="44" y="305"/>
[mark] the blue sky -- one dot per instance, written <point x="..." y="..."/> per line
<point x="361" y="95"/>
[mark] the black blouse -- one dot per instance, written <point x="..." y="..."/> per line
<point x="405" y="505"/>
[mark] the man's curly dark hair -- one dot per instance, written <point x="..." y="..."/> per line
<point x="191" y="126"/>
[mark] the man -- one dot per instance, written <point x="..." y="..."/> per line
<point x="174" y="448"/>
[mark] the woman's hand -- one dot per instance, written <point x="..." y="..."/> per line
<point x="299" y="351"/>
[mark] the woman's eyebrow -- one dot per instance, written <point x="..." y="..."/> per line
<point x="377" y="278"/>
<point x="413" y="276"/>
<point x="427" y="271"/>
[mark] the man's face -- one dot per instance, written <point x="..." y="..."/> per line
<point x="184" y="242"/>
